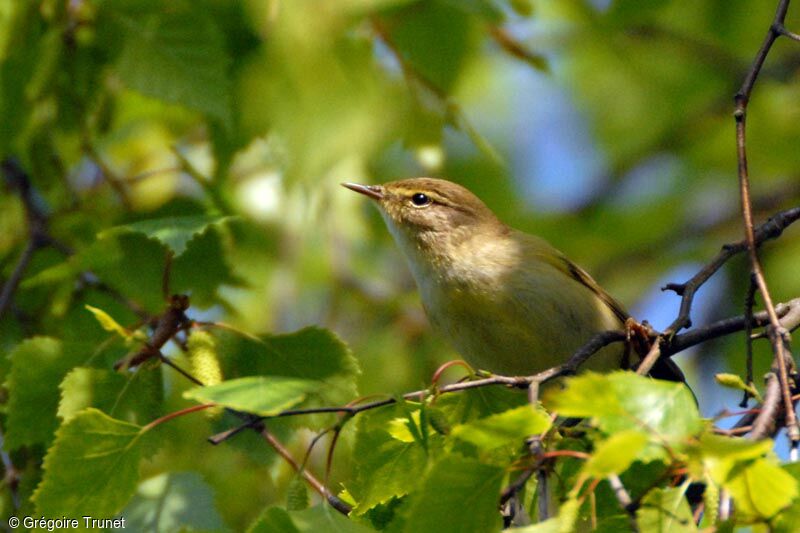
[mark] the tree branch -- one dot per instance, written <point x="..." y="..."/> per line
<point x="778" y="335"/>
<point x="36" y="219"/>
<point x="770" y="229"/>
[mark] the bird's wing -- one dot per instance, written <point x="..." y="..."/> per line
<point x="664" y="368"/>
<point x="583" y="277"/>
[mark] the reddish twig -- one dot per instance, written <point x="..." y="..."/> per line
<point x="176" y="414"/>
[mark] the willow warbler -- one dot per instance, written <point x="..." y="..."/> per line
<point x="509" y="302"/>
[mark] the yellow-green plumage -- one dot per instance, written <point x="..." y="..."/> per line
<point x="509" y="302"/>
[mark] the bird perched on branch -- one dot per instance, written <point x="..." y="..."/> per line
<point x="509" y="302"/>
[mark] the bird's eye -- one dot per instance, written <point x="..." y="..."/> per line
<point x="420" y="199"/>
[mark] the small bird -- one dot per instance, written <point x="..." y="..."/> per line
<point x="509" y="302"/>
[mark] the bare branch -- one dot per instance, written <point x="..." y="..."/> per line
<point x="778" y="335"/>
<point x="770" y="229"/>
<point x="36" y="219"/>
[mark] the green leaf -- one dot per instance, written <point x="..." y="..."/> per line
<point x="385" y="466"/>
<point x="203" y="268"/>
<point x="173" y="501"/>
<point x="130" y="262"/>
<point x="108" y="323"/>
<point x="787" y="520"/>
<point x="261" y="395"/>
<point x="615" y="454"/>
<point x="318" y="518"/>
<point x="172" y="232"/>
<point x="133" y="397"/>
<point x="551" y="525"/>
<point x="19" y="65"/>
<point x="624" y="400"/>
<point x="176" y="55"/>
<point x="563" y="523"/>
<point x="478" y="403"/>
<point x="665" y="511"/>
<point x="735" y="381"/>
<point x="758" y="484"/>
<point x="309" y="354"/>
<point x="759" y="487"/>
<point x="37" y="367"/>
<point x="458" y="494"/>
<point x="716" y="448"/>
<point x="507" y="428"/>
<point x="436" y="39"/>
<point x="92" y="467"/>
<point x="401" y="428"/>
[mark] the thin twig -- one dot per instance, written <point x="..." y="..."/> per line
<point x="624" y="500"/>
<point x="650" y="359"/>
<point x="257" y="424"/>
<point x="11" y="284"/>
<point x="749" y="304"/>
<point x="790" y="313"/>
<point x="770" y="229"/>
<point x="513" y="47"/>
<point x="316" y="484"/>
<point x="117" y="184"/>
<point x="777" y="334"/>
<point x="17" y="179"/>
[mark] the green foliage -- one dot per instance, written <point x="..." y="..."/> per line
<point x="175" y="232"/>
<point x="177" y="55"/>
<point x="262" y="395"/>
<point x="616" y="454"/>
<point x="472" y="488"/>
<point x="623" y="401"/>
<point x="37" y="367"/>
<point x="319" y="364"/>
<point x="318" y="518"/>
<point x="387" y="467"/>
<point x="503" y="429"/>
<point x="134" y="398"/>
<point x="160" y="504"/>
<point x="92" y="468"/>
<point x="666" y="510"/>
<point x="196" y="149"/>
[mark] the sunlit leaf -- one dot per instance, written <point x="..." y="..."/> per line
<point x="386" y="467"/>
<point x="108" y="323"/>
<point x="92" y="468"/>
<point x="615" y="454"/>
<point x="261" y="395"/>
<point x="506" y="428"/>
<point x="624" y="400"/>
<point x="760" y="487"/>
<point x="312" y="353"/>
<point x="134" y="397"/>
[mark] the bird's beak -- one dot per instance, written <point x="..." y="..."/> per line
<point x="373" y="191"/>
